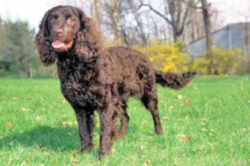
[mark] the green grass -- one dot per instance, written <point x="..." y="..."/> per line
<point x="205" y="124"/>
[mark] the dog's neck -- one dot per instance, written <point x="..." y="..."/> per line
<point x="73" y="68"/>
<point x="73" y="60"/>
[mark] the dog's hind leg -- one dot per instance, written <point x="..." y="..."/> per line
<point x="107" y="129"/>
<point x="149" y="99"/>
<point x="124" y="119"/>
<point x="120" y="128"/>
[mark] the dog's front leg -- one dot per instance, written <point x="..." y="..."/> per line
<point x="86" y="125"/>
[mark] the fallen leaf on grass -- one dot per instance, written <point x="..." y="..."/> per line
<point x="74" y="151"/>
<point x="38" y="118"/>
<point x="183" y="138"/>
<point x="188" y="101"/>
<point x="142" y="147"/>
<point x="147" y="163"/>
<point x="73" y="159"/>
<point x="63" y="101"/>
<point x="203" y="119"/>
<point x="171" y="107"/>
<point x="249" y="101"/>
<point x="204" y="129"/>
<point x="23" y="163"/>
<point x="164" y="118"/>
<point x="68" y="123"/>
<point x="24" y="109"/>
<point x="243" y="130"/>
<point x="180" y="97"/>
<point x="8" y="124"/>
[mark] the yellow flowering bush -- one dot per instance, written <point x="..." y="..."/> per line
<point x="223" y="61"/>
<point x="173" y="57"/>
<point x="166" y="57"/>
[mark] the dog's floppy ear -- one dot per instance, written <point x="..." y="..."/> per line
<point x="89" y="39"/>
<point x="43" y="27"/>
<point x="43" y="43"/>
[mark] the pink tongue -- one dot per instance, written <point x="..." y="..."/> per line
<point x="58" y="44"/>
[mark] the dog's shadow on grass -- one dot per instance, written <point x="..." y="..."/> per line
<point x="45" y="137"/>
<point x="58" y="139"/>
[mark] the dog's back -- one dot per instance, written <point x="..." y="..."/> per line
<point x="126" y="68"/>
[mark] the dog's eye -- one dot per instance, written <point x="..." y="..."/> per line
<point x="67" y="16"/>
<point x="54" y="17"/>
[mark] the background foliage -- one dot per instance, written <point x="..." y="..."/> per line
<point x="166" y="57"/>
<point x="18" y="56"/>
<point x="224" y="61"/>
<point x="128" y="23"/>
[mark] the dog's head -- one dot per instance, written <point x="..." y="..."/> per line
<point x="64" y="28"/>
<point x="62" y="25"/>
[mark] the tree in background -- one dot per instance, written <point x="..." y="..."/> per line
<point x="175" y="14"/>
<point x="17" y="49"/>
<point x="207" y="26"/>
<point x="1" y="22"/>
<point x="131" y="23"/>
<point x="113" y="13"/>
<point x="194" y="29"/>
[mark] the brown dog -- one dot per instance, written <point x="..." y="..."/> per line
<point x="97" y="78"/>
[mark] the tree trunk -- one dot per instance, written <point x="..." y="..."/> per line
<point x="97" y="12"/>
<point x="209" y="40"/>
<point x="177" y="35"/>
<point x="175" y="15"/>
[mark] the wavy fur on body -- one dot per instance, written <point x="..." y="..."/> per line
<point x="93" y="77"/>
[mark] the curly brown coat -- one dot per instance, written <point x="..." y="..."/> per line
<point x="93" y="77"/>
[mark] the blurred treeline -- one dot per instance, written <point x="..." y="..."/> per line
<point x="18" y="56"/>
<point x="161" y="30"/>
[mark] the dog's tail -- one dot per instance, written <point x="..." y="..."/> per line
<point x="173" y="80"/>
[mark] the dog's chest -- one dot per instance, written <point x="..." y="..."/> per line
<point x="75" y="78"/>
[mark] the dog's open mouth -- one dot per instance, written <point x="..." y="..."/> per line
<point x="61" y="45"/>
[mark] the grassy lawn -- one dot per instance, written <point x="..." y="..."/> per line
<point x="205" y="124"/>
